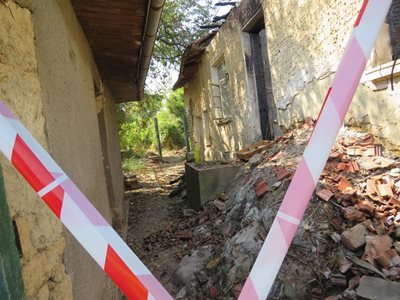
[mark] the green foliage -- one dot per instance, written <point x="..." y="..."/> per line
<point x="136" y="124"/>
<point x="133" y="164"/>
<point x="137" y="133"/>
<point x="179" y="26"/>
<point x="176" y="103"/>
<point x="170" y="130"/>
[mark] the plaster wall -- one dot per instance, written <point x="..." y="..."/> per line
<point x="68" y="77"/>
<point x="40" y="233"/>
<point x="219" y="141"/>
<point x="306" y="40"/>
<point x="48" y="77"/>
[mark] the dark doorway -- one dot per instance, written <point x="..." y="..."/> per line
<point x="259" y="68"/>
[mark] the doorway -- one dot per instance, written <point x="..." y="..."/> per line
<point x="258" y="68"/>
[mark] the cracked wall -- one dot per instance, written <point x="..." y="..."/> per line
<point x="40" y="233"/>
<point x="306" y="40"/>
<point x="48" y="78"/>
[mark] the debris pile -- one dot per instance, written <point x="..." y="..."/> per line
<point x="347" y="244"/>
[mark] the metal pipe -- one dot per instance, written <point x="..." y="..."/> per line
<point x="149" y="36"/>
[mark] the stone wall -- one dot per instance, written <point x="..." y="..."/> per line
<point x="221" y="139"/>
<point x="49" y="79"/>
<point x="40" y="233"/>
<point x="306" y="40"/>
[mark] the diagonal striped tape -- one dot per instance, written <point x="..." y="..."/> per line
<point x="336" y="104"/>
<point x="76" y="212"/>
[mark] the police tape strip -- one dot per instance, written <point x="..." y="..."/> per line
<point x="76" y="212"/>
<point x="291" y="211"/>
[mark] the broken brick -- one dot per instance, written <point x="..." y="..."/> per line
<point x="343" y="184"/>
<point x="308" y="123"/>
<point x="353" y="167"/>
<point x="336" y="177"/>
<point x="352" y="214"/>
<point x="337" y="223"/>
<point x="282" y="173"/>
<point x="354" y="151"/>
<point x="277" y="156"/>
<point x="354" y="282"/>
<point x="388" y="259"/>
<point x="368" y="138"/>
<point x="375" y="247"/>
<point x="237" y="290"/>
<point x="324" y="194"/>
<point x="344" y="265"/>
<point x="385" y="190"/>
<point x="371" y="189"/>
<point x="260" y="188"/>
<point x="213" y="292"/>
<point x="365" y="206"/>
<point x="354" y="238"/>
<point x="341" y="166"/>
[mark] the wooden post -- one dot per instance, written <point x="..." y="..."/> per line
<point x="158" y="139"/>
<point x="185" y="128"/>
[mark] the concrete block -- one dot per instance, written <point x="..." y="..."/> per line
<point x="374" y="288"/>
<point x="205" y="183"/>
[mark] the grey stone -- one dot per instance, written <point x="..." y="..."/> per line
<point x="200" y="230"/>
<point x="252" y="216"/>
<point x="373" y="288"/>
<point x="189" y="265"/>
<point x="188" y="212"/>
<point x="267" y="218"/>
<point x="255" y="159"/>
<point x="241" y="252"/>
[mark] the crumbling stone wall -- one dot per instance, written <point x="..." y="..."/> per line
<point x="243" y="128"/>
<point x="306" y="40"/>
<point x="48" y="77"/>
<point x="40" y="233"/>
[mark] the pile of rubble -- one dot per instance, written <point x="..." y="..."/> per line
<point x="345" y="248"/>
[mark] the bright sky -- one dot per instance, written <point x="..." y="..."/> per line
<point x="154" y="85"/>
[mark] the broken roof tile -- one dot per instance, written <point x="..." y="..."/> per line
<point x="344" y="184"/>
<point x="324" y="194"/>
<point x="375" y="247"/>
<point x="352" y="214"/>
<point x="282" y="173"/>
<point x="365" y="206"/>
<point x="385" y="190"/>
<point x="260" y="188"/>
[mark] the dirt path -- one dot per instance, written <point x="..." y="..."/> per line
<point x="154" y="218"/>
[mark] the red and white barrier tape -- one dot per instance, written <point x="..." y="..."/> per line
<point x="76" y="212"/>
<point x="291" y="211"/>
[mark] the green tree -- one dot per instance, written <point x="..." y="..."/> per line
<point x="136" y="124"/>
<point x="179" y="26"/>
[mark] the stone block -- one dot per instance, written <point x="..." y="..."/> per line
<point x="205" y="183"/>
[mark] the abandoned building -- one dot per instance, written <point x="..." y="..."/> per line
<point x="63" y="66"/>
<point x="270" y="65"/>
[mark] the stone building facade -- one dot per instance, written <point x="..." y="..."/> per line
<point x="278" y="59"/>
<point x="50" y="78"/>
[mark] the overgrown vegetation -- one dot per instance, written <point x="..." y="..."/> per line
<point x="137" y="131"/>
<point x="179" y="26"/>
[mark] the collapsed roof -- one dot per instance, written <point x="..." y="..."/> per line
<point x="191" y="59"/>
